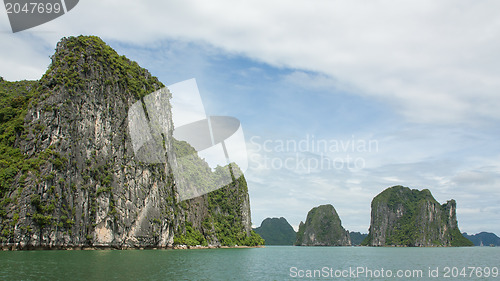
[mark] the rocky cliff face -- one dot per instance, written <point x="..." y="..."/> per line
<point x="75" y="181"/>
<point x="404" y="217"/>
<point x="322" y="228"/>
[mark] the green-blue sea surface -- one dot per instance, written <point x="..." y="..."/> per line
<point x="269" y="263"/>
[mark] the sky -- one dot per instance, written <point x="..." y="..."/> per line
<point x="338" y="100"/>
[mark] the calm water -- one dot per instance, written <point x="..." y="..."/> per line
<point x="270" y="263"/>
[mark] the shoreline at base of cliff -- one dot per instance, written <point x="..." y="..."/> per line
<point x="97" y="248"/>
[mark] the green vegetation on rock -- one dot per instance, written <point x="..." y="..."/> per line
<point x="68" y="172"/>
<point x="70" y="68"/>
<point x="79" y="66"/>
<point x="405" y="217"/>
<point x="191" y="237"/>
<point x="14" y="100"/>
<point x="322" y="228"/>
<point x="276" y="231"/>
<point x="225" y="218"/>
<point x="357" y="238"/>
<point x="483" y="239"/>
<point x="225" y="208"/>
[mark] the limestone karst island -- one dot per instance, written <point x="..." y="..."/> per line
<point x="400" y="217"/>
<point x="68" y="174"/>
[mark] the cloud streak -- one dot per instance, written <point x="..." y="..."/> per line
<point x="434" y="61"/>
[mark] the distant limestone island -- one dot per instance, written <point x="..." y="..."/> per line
<point x="276" y="231"/>
<point x="483" y="239"/>
<point x="322" y="228"/>
<point x="400" y="217"/>
<point x="408" y="217"/>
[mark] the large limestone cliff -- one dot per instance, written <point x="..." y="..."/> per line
<point x="404" y="217"/>
<point x="322" y="228"/>
<point x="70" y="175"/>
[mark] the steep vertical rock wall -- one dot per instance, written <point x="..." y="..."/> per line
<point x="404" y="217"/>
<point x="76" y="181"/>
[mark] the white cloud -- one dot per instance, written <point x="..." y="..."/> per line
<point x="21" y="59"/>
<point x="435" y="61"/>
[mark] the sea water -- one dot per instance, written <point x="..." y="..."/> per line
<point x="269" y="263"/>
